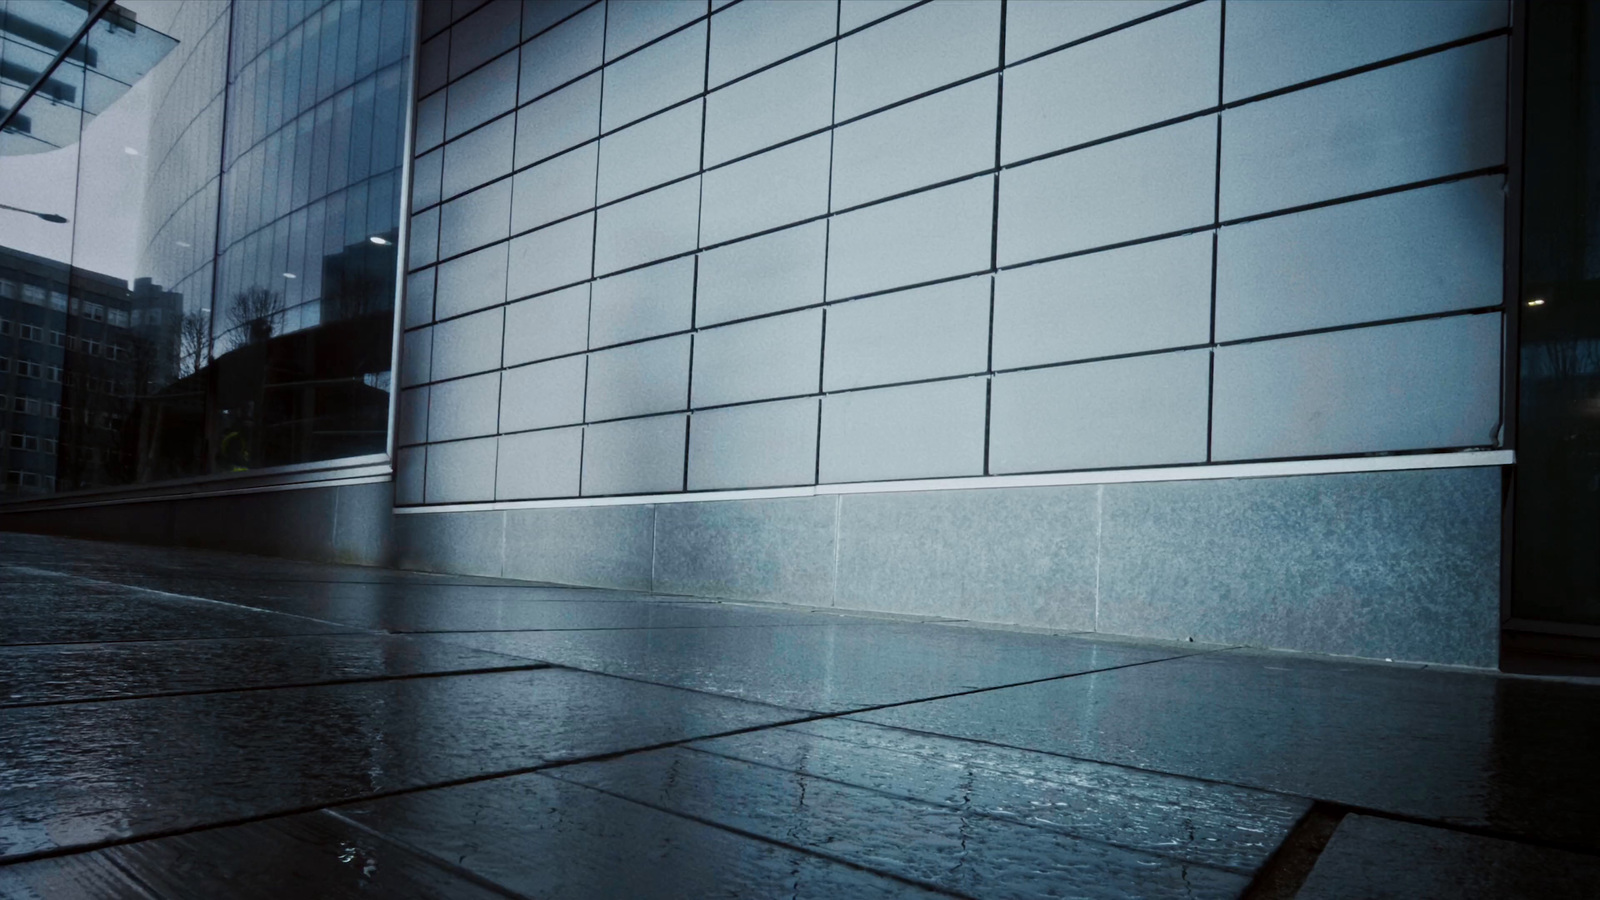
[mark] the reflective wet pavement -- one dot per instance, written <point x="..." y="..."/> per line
<point x="190" y="724"/>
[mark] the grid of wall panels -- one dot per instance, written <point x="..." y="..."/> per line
<point x="681" y="245"/>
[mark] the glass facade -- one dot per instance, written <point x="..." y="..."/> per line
<point x="198" y="226"/>
<point x="1556" y="562"/>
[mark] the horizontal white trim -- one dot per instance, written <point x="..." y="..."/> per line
<point x="1345" y="464"/>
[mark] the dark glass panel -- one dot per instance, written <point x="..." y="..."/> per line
<point x="1557" y="528"/>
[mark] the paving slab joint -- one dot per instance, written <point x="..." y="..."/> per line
<point x="1285" y="871"/>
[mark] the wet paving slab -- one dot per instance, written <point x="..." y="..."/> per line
<point x="956" y="846"/>
<point x="1383" y="859"/>
<point x="374" y="607"/>
<point x="74" y="673"/>
<point x="80" y="774"/>
<point x="176" y="718"/>
<point x="591" y="844"/>
<point x="309" y="855"/>
<point x="1463" y="748"/>
<point x="839" y="665"/>
<point x="1214" y="825"/>
<point x="75" y="610"/>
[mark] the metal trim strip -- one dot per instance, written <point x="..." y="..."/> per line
<point x="1211" y="472"/>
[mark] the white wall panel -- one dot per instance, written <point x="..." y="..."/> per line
<point x="1138" y="76"/>
<point x="1438" y="115"/>
<point x="756" y="445"/>
<point x="1416" y="385"/>
<point x="928" y="430"/>
<point x="1138" y="411"/>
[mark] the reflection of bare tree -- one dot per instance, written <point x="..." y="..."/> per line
<point x="1568" y="360"/>
<point x="255" y="315"/>
<point x="144" y="362"/>
<point x="355" y="294"/>
<point x="194" y="341"/>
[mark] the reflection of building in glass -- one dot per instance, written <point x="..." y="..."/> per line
<point x="242" y="253"/>
<point x="100" y="382"/>
<point x="302" y="326"/>
<point x="316" y="392"/>
<point x="77" y="350"/>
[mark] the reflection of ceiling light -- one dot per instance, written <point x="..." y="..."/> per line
<point x="1536" y="302"/>
<point x="380" y="241"/>
<point x="184" y="244"/>
<point x="290" y="275"/>
<point x="130" y="151"/>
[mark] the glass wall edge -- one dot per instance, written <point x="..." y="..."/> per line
<point x="403" y="237"/>
<point x="375" y="467"/>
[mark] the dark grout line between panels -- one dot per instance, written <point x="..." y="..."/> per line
<point x="961" y="376"/>
<point x="1216" y="249"/>
<point x="521" y="42"/>
<point x="588" y="301"/>
<point x="994" y="250"/>
<point x="706" y="95"/>
<point x="1117" y="245"/>
<point x="839" y="35"/>
<point x="826" y="217"/>
<point x="518" y="48"/>
<point x="998" y="169"/>
<point x="1123" y="26"/>
<point x="707" y="17"/>
<point x="1221" y="107"/>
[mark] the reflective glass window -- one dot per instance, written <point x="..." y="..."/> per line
<point x="198" y="225"/>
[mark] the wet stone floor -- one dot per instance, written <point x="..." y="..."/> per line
<point x="192" y="724"/>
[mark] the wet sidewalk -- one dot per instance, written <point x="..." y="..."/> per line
<point x="191" y="724"/>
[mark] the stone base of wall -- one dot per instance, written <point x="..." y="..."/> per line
<point x="1400" y="565"/>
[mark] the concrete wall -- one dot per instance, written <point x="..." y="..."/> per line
<point x="679" y="246"/>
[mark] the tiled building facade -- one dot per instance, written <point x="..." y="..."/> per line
<point x="666" y="247"/>
<point x="720" y="299"/>
<point x="1196" y="320"/>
